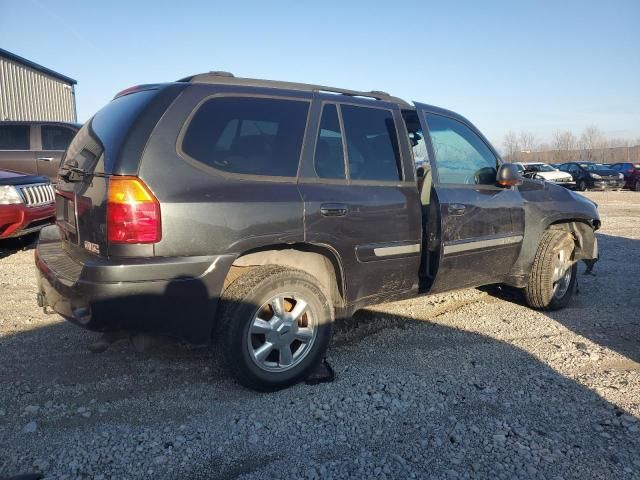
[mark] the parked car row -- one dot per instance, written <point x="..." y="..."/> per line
<point x="585" y="175"/>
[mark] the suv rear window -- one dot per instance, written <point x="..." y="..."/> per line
<point x="14" y="137"/>
<point x="254" y="136"/>
<point x="372" y="143"/>
<point x="113" y="122"/>
<point x="55" y="137"/>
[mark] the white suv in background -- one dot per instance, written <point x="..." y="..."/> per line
<point x="544" y="171"/>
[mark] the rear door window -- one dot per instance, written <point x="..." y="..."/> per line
<point x="14" y="137"/>
<point x="329" y="156"/>
<point x="55" y="137"/>
<point x="372" y="143"/>
<point x="245" y="135"/>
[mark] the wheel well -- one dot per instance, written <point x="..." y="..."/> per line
<point x="583" y="235"/>
<point x="320" y="262"/>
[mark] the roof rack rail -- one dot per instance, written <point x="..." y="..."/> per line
<point x="227" y="78"/>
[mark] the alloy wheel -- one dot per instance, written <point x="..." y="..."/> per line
<point x="281" y="333"/>
<point x="562" y="273"/>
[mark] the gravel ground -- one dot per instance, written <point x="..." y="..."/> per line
<point x="470" y="384"/>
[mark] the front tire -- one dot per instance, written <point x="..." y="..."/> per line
<point x="275" y="327"/>
<point x="582" y="186"/>
<point x="552" y="281"/>
<point x="637" y="186"/>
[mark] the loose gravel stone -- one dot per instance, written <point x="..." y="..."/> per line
<point x="30" y="427"/>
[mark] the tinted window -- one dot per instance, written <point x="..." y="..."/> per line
<point x="256" y="136"/>
<point x="461" y="156"/>
<point x="114" y="121"/>
<point x="372" y="143"/>
<point x="593" y="166"/>
<point x="55" y="137"/>
<point x="14" y="137"/>
<point x="329" y="156"/>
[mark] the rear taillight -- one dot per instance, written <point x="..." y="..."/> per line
<point x="133" y="212"/>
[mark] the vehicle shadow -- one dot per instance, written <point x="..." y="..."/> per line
<point x="606" y="309"/>
<point x="414" y="398"/>
<point x="12" y="245"/>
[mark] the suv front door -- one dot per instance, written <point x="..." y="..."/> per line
<point x="360" y="195"/>
<point x="481" y="223"/>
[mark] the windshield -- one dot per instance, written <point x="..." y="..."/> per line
<point x="540" y="167"/>
<point x="594" y="166"/>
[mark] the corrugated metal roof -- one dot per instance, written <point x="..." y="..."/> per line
<point x="35" y="66"/>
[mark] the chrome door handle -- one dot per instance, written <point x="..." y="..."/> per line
<point x="456" y="209"/>
<point x="333" y="210"/>
<point x="46" y="159"/>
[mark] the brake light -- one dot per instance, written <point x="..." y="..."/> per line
<point x="126" y="91"/>
<point x="133" y="212"/>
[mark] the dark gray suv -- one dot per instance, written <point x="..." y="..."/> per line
<point x="256" y="212"/>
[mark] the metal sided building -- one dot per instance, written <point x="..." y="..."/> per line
<point x="31" y="92"/>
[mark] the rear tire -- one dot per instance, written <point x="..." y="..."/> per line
<point x="552" y="281"/>
<point x="275" y="327"/>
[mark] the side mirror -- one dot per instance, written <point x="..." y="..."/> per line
<point x="509" y="175"/>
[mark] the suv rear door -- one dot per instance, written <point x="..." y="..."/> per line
<point x="360" y="194"/>
<point x="15" y="148"/>
<point x="481" y="223"/>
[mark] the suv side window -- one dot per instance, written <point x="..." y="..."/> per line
<point x="329" y="156"/>
<point x="55" y="137"/>
<point x="461" y="155"/>
<point x="372" y="143"/>
<point x="14" y="137"/>
<point x="245" y="135"/>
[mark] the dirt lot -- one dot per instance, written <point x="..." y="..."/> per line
<point x="464" y="385"/>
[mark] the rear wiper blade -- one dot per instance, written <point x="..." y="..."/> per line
<point x="68" y="176"/>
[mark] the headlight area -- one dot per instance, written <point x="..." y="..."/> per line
<point x="17" y="218"/>
<point x="9" y="195"/>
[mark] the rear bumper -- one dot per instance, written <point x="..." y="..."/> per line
<point x="174" y="296"/>
<point x="18" y="220"/>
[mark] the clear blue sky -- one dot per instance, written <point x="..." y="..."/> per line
<point x="539" y="66"/>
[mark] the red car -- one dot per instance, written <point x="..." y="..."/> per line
<point x="27" y="204"/>
<point x="631" y="172"/>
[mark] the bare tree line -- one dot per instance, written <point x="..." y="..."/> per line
<point x="591" y="145"/>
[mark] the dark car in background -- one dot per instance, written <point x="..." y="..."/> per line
<point x="27" y="204"/>
<point x="631" y="173"/>
<point x="593" y="176"/>
<point x="35" y="148"/>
